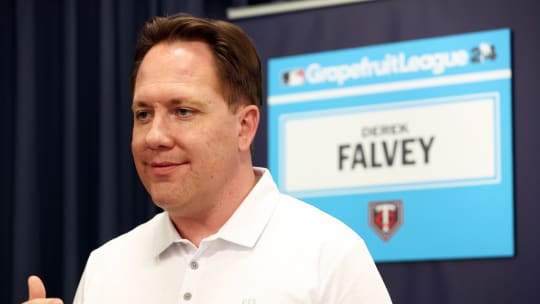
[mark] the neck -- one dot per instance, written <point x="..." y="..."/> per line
<point x="196" y="227"/>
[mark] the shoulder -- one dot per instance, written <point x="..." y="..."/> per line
<point x="307" y="219"/>
<point x="133" y="241"/>
<point x="344" y="264"/>
<point x="303" y="226"/>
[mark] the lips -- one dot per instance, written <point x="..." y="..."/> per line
<point x="164" y="168"/>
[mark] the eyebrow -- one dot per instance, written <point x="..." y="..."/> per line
<point x="139" y="104"/>
<point x="172" y="102"/>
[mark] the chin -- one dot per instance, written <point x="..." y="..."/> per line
<point x="161" y="193"/>
<point x="166" y="199"/>
<point x="161" y="199"/>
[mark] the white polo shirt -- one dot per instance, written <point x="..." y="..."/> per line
<point x="273" y="250"/>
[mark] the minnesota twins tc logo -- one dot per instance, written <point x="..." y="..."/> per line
<point x="386" y="217"/>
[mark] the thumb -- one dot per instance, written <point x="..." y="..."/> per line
<point x="36" y="289"/>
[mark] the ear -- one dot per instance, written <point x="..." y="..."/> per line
<point x="248" y="119"/>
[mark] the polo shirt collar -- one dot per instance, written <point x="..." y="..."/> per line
<point x="247" y="223"/>
<point x="243" y="228"/>
<point x="165" y="234"/>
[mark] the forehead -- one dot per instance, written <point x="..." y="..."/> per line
<point x="180" y="61"/>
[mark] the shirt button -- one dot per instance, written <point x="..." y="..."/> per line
<point x="194" y="265"/>
<point x="187" y="296"/>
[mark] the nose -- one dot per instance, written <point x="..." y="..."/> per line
<point x="159" y="136"/>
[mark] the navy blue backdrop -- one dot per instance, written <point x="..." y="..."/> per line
<point x="67" y="182"/>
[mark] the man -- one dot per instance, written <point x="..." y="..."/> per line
<point x="227" y="235"/>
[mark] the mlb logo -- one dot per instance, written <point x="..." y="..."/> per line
<point x="293" y="77"/>
<point x="385" y="218"/>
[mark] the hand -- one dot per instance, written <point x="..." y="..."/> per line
<point x="37" y="294"/>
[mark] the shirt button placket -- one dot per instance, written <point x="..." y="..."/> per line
<point x="187" y="296"/>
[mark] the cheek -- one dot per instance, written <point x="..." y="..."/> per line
<point x="137" y="152"/>
<point x="135" y="149"/>
<point x="224" y="136"/>
<point x="216" y="144"/>
<point x="137" y="141"/>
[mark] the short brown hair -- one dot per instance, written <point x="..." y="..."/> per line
<point x="238" y="64"/>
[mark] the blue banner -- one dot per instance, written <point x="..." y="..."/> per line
<point x="409" y="143"/>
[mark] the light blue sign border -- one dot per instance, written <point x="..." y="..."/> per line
<point x="454" y="220"/>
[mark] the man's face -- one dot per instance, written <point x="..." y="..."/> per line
<point x="185" y="138"/>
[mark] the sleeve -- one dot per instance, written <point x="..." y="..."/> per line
<point x="79" y="294"/>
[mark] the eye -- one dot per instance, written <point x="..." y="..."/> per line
<point x="183" y="112"/>
<point x="142" y="115"/>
